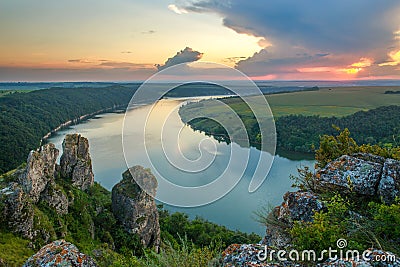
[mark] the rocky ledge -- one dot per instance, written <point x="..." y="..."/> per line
<point x="360" y="175"/>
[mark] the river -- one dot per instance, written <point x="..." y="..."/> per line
<point x="235" y="210"/>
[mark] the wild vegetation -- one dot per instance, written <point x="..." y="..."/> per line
<point x="92" y="227"/>
<point x="364" y="222"/>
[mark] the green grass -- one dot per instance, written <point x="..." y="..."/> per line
<point x="326" y="102"/>
<point x="14" y="250"/>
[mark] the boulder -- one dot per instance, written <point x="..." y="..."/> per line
<point x="134" y="208"/>
<point x="39" y="171"/>
<point x="76" y="163"/>
<point x="60" y="253"/>
<point x="349" y="174"/>
<point x="297" y="206"/>
<point x="389" y="186"/>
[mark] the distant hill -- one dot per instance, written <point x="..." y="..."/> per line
<point x="26" y="117"/>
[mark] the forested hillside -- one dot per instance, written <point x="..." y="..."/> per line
<point x="301" y="133"/>
<point x="26" y="117"/>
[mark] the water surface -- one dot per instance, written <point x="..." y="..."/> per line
<point x="235" y="210"/>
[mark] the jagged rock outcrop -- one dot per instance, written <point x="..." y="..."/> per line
<point x="60" y="253"/>
<point x="134" y="208"/>
<point x="349" y="174"/>
<point x="389" y="186"/>
<point x="36" y="183"/>
<point x="361" y="174"/>
<point x="39" y="171"/>
<point x="55" y="198"/>
<point x="76" y="163"/>
<point x="297" y="206"/>
<point x="18" y="210"/>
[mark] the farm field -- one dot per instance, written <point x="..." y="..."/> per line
<point x="326" y="102"/>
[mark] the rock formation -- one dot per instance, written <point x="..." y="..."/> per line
<point x="360" y="175"/>
<point x="18" y="211"/>
<point x="60" y="253"/>
<point x="75" y="162"/>
<point x="389" y="186"/>
<point x="363" y="175"/>
<point x="134" y="208"/>
<point x="37" y="183"/>
<point x="297" y="206"/>
<point x="55" y="198"/>
<point x="39" y="171"/>
<point x="350" y="174"/>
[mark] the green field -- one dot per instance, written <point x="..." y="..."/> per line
<point x="326" y="102"/>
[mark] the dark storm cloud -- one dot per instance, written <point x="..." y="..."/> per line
<point x="309" y="33"/>
<point x="337" y="26"/>
<point x="184" y="56"/>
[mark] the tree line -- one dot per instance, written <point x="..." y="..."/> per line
<point x="26" y="117"/>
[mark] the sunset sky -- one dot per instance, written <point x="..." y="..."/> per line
<point x="126" y="40"/>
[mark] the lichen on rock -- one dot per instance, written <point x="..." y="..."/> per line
<point x="350" y="175"/>
<point x="60" y="253"/>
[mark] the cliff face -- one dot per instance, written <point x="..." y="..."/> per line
<point x="134" y="208"/>
<point x="37" y="184"/>
<point x="39" y="171"/>
<point x="76" y="163"/>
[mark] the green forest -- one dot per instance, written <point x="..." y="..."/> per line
<point x="26" y="117"/>
<point x="301" y="133"/>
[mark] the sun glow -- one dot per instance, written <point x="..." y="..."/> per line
<point x="395" y="59"/>
<point x="356" y="67"/>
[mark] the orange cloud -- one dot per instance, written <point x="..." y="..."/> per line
<point x="356" y="67"/>
<point x="364" y="62"/>
<point x="395" y="59"/>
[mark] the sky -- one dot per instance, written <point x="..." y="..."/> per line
<point x="130" y="40"/>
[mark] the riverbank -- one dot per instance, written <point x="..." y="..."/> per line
<point x="81" y="119"/>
